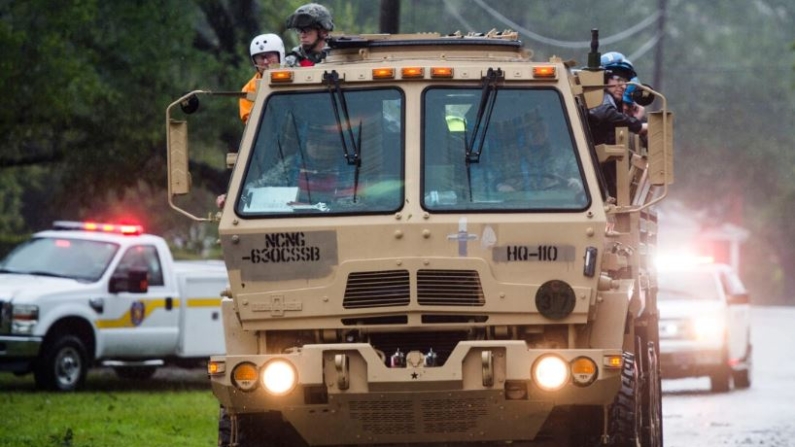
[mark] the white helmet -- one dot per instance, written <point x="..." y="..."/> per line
<point x="266" y="43"/>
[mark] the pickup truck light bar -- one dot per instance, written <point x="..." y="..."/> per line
<point x="124" y="229"/>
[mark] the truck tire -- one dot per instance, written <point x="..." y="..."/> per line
<point x="653" y="420"/>
<point x="63" y="365"/>
<point x="135" y="372"/>
<point x="264" y="430"/>
<point x="719" y="380"/>
<point x="625" y="411"/>
<point x="742" y="377"/>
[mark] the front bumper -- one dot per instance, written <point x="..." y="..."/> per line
<point x="466" y="399"/>
<point x="18" y="353"/>
<point x="680" y="359"/>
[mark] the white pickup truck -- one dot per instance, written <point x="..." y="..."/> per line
<point x="87" y="294"/>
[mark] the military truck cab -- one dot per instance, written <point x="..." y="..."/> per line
<point x="421" y="250"/>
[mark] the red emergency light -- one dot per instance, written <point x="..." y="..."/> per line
<point x="125" y="229"/>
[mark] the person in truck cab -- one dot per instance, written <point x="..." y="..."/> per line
<point x="316" y="167"/>
<point x="313" y="23"/>
<point x="266" y="50"/>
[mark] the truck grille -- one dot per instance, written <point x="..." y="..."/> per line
<point x="377" y="289"/>
<point x="433" y="416"/>
<point x="5" y="317"/>
<point x="393" y="288"/>
<point x="449" y="288"/>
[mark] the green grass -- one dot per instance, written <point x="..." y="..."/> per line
<point x="174" y="408"/>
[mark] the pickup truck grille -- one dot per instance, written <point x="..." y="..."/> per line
<point x="5" y="317"/>
<point x="393" y="288"/>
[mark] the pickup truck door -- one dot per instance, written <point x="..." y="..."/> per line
<point x="141" y="325"/>
<point x="739" y="323"/>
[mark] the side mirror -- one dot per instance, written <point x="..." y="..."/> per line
<point x="134" y="281"/>
<point x="640" y="96"/>
<point x="190" y="104"/>
<point x="661" y="148"/>
<point x="739" y="298"/>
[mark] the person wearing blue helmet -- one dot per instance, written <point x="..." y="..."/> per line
<point x="605" y="118"/>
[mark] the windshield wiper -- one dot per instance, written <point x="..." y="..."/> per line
<point x="354" y="156"/>
<point x="43" y="273"/>
<point x="473" y="144"/>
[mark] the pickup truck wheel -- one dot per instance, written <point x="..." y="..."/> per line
<point x="742" y="377"/>
<point x="63" y="365"/>
<point x="135" y="372"/>
<point x="719" y="381"/>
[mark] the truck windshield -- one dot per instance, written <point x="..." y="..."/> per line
<point x="527" y="161"/>
<point x="302" y="161"/>
<point x="61" y="257"/>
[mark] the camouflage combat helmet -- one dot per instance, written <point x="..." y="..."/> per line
<point x="311" y="15"/>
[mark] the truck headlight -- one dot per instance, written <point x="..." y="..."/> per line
<point x="279" y="377"/>
<point x="24" y="318"/>
<point x="708" y="328"/>
<point x="550" y="372"/>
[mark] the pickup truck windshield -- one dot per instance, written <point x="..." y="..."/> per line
<point x="695" y="285"/>
<point x="61" y="257"/>
<point x="303" y="160"/>
<point x="527" y="160"/>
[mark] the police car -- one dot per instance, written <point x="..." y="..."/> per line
<point x="705" y="325"/>
<point x="84" y="294"/>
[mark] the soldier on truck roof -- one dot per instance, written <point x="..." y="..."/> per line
<point x="313" y="24"/>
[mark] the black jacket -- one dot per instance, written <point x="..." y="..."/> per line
<point x="605" y="118"/>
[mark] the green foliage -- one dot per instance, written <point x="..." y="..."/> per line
<point x="85" y="86"/>
<point x="162" y="412"/>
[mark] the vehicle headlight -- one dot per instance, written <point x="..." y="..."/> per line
<point x="279" y="377"/>
<point x="708" y="328"/>
<point x="550" y="372"/>
<point x="24" y="318"/>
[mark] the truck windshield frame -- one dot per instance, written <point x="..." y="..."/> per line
<point x="528" y="161"/>
<point x="298" y="166"/>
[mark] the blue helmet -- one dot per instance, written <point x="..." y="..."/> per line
<point x="611" y="57"/>
<point x="616" y="63"/>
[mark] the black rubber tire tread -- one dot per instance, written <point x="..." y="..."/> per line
<point x="742" y="378"/>
<point x="653" y="419"/>
<point x="625" y="411"/>
<point x="135" y="372"/>
<point x="265" y="430"/>
<point x="46" y="371"/>
<point x="224" y="428"/>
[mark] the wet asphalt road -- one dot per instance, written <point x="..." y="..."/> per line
<point x="763" y="415"/>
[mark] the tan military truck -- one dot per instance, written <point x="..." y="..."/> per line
<point x="421" y="250"/>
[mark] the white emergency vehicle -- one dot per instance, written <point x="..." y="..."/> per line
<point x="705" y="325"/>
<point x="92" y="294"/>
